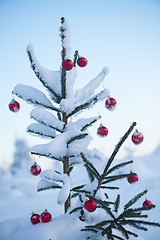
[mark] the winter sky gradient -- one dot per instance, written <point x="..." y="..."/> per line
<point x="123" y="35"/>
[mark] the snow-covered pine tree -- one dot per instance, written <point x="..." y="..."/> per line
<point x="21" y="157"/>
<point x="58" y="119"/>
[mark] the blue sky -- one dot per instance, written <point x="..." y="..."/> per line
<point x="123" y="35"/>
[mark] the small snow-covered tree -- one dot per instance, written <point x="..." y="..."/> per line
<point x="21" y="157"/>
<point x="57" y="118"/>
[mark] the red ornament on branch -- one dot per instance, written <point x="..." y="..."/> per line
<point x="82" y="62"/>
<point x="137" y="137"/>
<point x="35" y="218"/>
<point x="147" y="203"/>
<point x="110" y="103"/>
<point x="90" y="205"/>
<point x="14" y="106"/>
<point x="67" y="64"/>
<point x="102" y="131"/>
<point x="35" y="169"/>
<point x="132" y="178"/>
<point x="46" y="216"/>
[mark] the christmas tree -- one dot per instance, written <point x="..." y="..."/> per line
<point x="57" y="119"/>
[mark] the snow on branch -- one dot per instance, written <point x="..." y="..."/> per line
<point x="90" y="102"/>
<point x="44" y="184"/>
<point x="46" y="118"/>
<point x="84" y="123"/>
<point x="49" y="79"/>
<point x="56" y="149"/>
<point x="41" y="130"/>
<point x="59" y="146"/>
<point x="65" y="36"/>
<point x="65" y="188"/>
<point x="33" y="96"/>
<point x="89" y="89"/>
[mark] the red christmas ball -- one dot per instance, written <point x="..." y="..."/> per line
<point x="102" y="131"/>
<point x="110" y="103"/>
<point x="82" y="62"/>
<point x="14" y="106"/>
<point x="35" y="169"/>
<point x="132" y="178"/>
<point x="137" y="137"/>
<point x="35" y="218"/>
<point x="46" y="216"/>
<point x="67" y="64"/>
<point x="90" y="205"/>
<point x="147" y="203"/>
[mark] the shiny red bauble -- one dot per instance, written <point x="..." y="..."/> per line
<point x="137" y="137"/>
<point x="67" y="64"/>
<point x="102" y="131"/>
<point x="35" y="218"/>
<point x="35" y="169"/>
<point x="132" y="178"/>
<point x="147" y="203"/>
<point x="82" y="61"/>
<point x="110" y="103"/>
<point x="14" y="106"/>
<point x="90" y="205"/>
<point x="46" y="216"/>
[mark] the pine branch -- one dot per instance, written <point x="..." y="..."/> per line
<point x="75" y="58"/>
<point x="75" y="210"/>
<point x="153" y="224"/>
<point x="74" y="195"/>
<point x="48" y="188"/>
<point x="41" y="130"/>
<point x="57" y="98"/>
<point x="89" y="167"/>
<point x="104" y="205"/>
<point x="78" y="187"/>
<point x="131" y="214"/>
<point x="107" y="187"/>
<point x="143" y="208"/>
<point x="82" y="191"/>
<point x="78" y="137"/>
<point x="59" y="116"/>
<point x="87" y="104"/>
<point x="133" y="200"/>
<point x="90" y="124"/>
<point x="116" y="204"/>
<point x="34" y="102"/>
<point x="114" y="178"/>
<point x="117" y="237"/>
<point x="46" y="155"/>
<point x="89" y="230"/>
<point x="118" y="147"/>
<point x="133" y="224"/>
<point x="40" y="134"/>
<point x="103" y="175"/>
<point x="118" y="166"/>
<point x="45" y="124"/>
<point x="132" y="233"/>
<point x="122" y="230"/>
<point x="63" y="55"/>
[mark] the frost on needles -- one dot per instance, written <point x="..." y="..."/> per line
<point x="56" y="117"/>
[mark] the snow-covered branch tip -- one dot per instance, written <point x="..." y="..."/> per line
<point x="33" y="96"/>
<point x="90" y="102"/>
<point x="47" y="119"/>
<point x="47" y="78"/>
<point x="118" y="147"/>
<point x="89" y="89"/>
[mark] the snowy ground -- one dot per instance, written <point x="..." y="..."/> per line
<point x="18" y="198"/>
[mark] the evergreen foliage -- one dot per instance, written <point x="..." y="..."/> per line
<point x="57" y="127"/>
